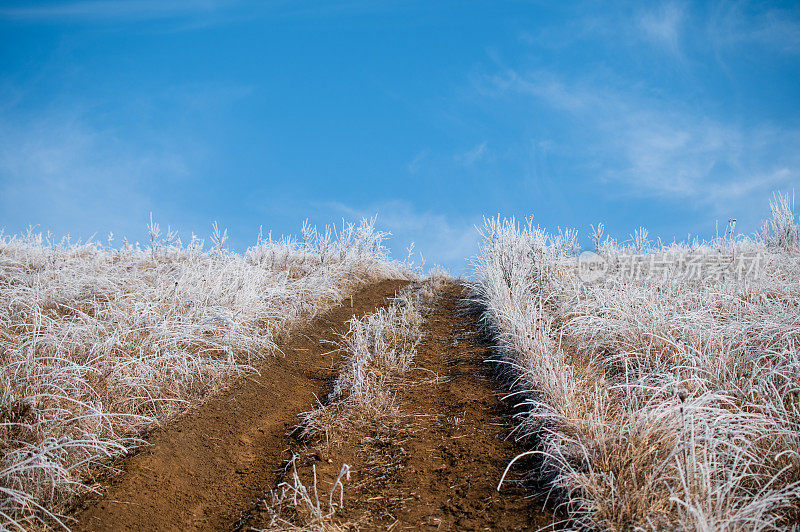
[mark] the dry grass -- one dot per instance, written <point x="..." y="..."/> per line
<point x="379" y="349"/>
<point x="98" y="344"/>
<point x="658" y="401"/>
<point x="294" y="502"/>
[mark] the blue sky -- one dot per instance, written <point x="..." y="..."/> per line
<point x="430" y="114"/>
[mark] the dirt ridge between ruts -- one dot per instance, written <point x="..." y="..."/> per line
<point x="203" y="469"/>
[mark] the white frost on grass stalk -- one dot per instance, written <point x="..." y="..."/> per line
<point x="378" y="349"/>
<point x="305" y="500"/>
<point x="654" y="402"/>
<point x="97" y="344"/>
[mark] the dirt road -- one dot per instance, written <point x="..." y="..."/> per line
<point x="437" y="466"/>
<point x="434" y="466"/>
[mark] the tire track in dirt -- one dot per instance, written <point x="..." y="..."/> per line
<point x="459" y="449"/>
<point x="437" y="466"/>
<point x="205" y="468"/>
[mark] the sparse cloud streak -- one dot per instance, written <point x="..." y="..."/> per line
<point x="674" y="150"/>
<point x="662" y="26"/>
<point x="473" y="155"/>
<point x="776" y="29"/>
<point x="61" y="166"/>
<point x="108" y="10"/>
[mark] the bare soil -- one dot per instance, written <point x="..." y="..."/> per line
<point x="205" y="468"/>
<point x="438" y="464"/>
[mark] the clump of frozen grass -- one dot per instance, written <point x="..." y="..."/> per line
<point x="780" y="230"/>
<point x="97" y="344"/>
<point x="378" y="349"/>
<point x="304" y="503"/>
<point x="654" y="401"/>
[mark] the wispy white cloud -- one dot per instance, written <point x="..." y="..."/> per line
<point x="662" y="149"/>
<point x="473" y="155"/>
<point x="105" y="10"/>
<point x="206" y="95"/>
<point x="101" y="11"/>
<point x="775" y="29"/>
<point x="57" y="169"/>
<point x="662" y="26"/>
<point x="416" y="163"/>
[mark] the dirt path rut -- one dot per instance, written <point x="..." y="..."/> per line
<point x="208" y="466"/>
<point x="458" y="451"/>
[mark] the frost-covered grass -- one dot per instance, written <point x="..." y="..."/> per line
<point x="656" y="402"/>
<point x="97" y="344"/>
<point x="378" y="349"/>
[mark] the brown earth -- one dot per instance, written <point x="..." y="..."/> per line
<point x="204" y="469"/>
<point x="438" y="464"/>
